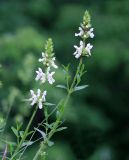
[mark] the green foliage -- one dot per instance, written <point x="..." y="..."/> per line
<point x="101" y="113"/>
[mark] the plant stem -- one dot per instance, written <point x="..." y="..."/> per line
<point x="53" y="130"/>
<point x="25" y="134"/>
<point x="75" y="77"/>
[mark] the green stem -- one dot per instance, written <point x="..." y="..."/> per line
<point x="53" y="130"/>
<point x="75" y="77"/>
<point x="25" y="134"/>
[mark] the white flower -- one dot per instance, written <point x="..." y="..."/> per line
<point x="40" y="75"/>
<point x="79" y="50"/>
<point x="33" y="98"/>
<point x="44" y="96"/>
<point x="45" y="76"/>
<point x="88" y="48"/>
<point x="38" y="98"/>
<point x="49" y="62"/>
<point x="42" y="99"/>
<point x="44" y="58"/>
<point x="52" y="62"/>
<point x="49" y="76"/>
<point x="90" y="33"/>
<point x="80" y="33"/>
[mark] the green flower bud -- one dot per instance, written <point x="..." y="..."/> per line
<point x="86" y="20"/>
<point x="49" y="47"/>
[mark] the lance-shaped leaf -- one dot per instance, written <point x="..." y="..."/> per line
<point x="27" y="143"/>
<point x="41" y="132"/>
<point x="80" y="87"/>
<point x="61" y="86"/>
<point x="14" y="131"/>
<point x="50" y="143"/>
<point x="49" y="104"/>
<point x="61" y="129"/>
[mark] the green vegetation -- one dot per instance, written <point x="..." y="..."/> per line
<point x="98" y="125"/>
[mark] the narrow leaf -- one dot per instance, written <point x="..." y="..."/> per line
<point x="14" y="131"/>
<point x="41" y="132"/>
<point x="61" y="86"/>
<point x="30" y="133"/>
<point x="49" y="104"/>
<point x="21" y="133"/>
<point x="80" y="87"/>
<point x="28" y="143"/>
<point x="50" y="143"/>
<point x="57" y="114"/>
<point x="61" y="129"/>
<point x="49" y="125"/>
<point x="78" y="78"/>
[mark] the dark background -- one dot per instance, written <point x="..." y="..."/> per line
<point x="98" y="117"/>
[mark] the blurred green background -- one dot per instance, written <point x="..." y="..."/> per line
<point x="98" y="117"/>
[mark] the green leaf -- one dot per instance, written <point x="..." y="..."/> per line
<point x="80" y="87"/>
<point x="9" y="142"/>
<point x="61" y="86"/>
<point x="49" y="125"/>
<point x="14" y="131"/>
<point x="49" y="104"/>
<point x="78" y="78"/>
<point x="28" y="143"/>
<point x="19" y="125"/>
<point x="41" y="132"/>
<point x="57" y="114"/>
<point x="66" y="68"/>
<point x="61" y="129"/>
<point x="50" y="143"/>
<point x="30" y="133"/>
<point x="21" y="133"/>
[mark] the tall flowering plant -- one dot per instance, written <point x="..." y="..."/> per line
<point x="38" y="98"/>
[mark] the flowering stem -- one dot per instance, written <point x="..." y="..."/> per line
<point x="25" y="134"/>
<point x="56" y="124"/>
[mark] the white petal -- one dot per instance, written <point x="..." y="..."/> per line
<point x="75" y="53"/>
<point x="76" y="47"/>
<point x="43" y="54"/>
<point x="33" y="101"/>
<point x="40" y="59"/>
<point x="92" y="35"/>
<point x="32" y="92"/>
<point x="77" y="56"/>
<point x="40" y="70"/>
<point x="92" y="29"/>
<point x="50" y="78"/>
<point x="40" y="104"/>
<point x="53" y="64"/>
<point x="38" y="93"/>
<point x="43" y="79"/>
<point x="37" y="77"/>
<point x="44" y="96"/>
<point x="81" y="43"/>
